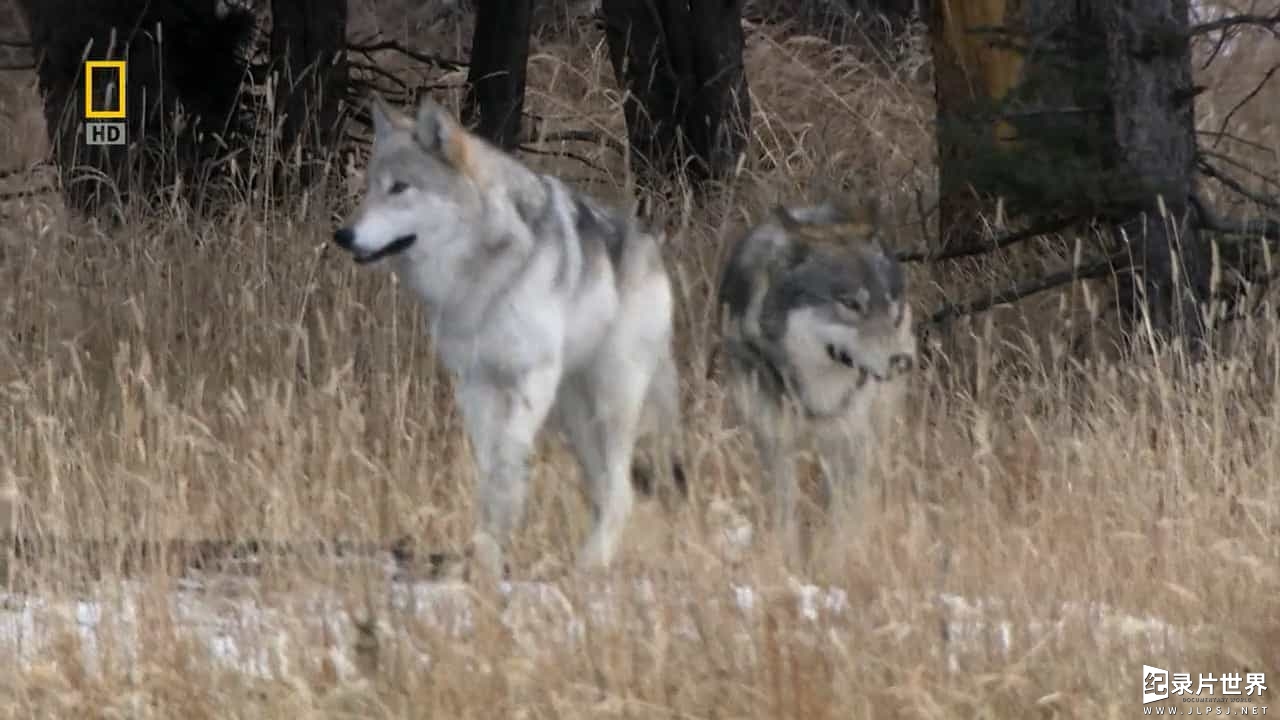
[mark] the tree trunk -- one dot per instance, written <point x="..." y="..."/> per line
<point x="308" y="39"/>
<point x="1067" y="109"/>
<point x="972" y="74"/>
<point x="1149" y="76"/>
<point x="687" y="107"/>
<point x="495" y="81"/>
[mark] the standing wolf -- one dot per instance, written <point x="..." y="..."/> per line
<point x="544" y="305"/>
<point x="816" y="334"/>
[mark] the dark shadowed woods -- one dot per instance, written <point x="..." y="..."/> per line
<point x="1066" y="114"/>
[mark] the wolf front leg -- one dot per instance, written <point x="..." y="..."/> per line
<point x="502" y="421"/>
<point x="842" y="454"/>
<point x="773" y="432"/>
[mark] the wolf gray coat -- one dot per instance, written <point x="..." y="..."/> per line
<point x="816" y="335"/>
<point x="546" y="306"/>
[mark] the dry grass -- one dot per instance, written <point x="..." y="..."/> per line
<point x="180" y="378"/>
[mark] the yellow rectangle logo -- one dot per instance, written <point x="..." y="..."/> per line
<point x="89" y="66"/>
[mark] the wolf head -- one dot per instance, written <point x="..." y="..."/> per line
<point x="840" y="302"/>
<point x="424" y="191"/>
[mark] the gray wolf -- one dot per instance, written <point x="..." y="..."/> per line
<point x="547" y="307"/>
<point x="816" y="334"/>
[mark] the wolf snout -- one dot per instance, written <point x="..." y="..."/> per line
<point x="344" y="237"/>
<point x="840" y="355"/>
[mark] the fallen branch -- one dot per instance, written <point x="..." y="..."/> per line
<point x="1267" y="22"/>
<point x="1234" y="185"/>
<point x="1000" y="243"/>
<point x="583" y="136"/>
<point x="1116" y="263"/>
<point x="567" y="154"/>
<point x="393" y="46"/>
<point x="203" y="554"/>
<point x="1264" y="228"/>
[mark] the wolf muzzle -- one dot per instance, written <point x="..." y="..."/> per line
<point x="345" y="238"/>
<point x="899" y="364"/>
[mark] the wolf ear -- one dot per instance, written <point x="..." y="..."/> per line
<point x="874" y="213"/>
<point x="383" y="122"/>
<point x="438" y="131"/>
<point x="861" y="218"/>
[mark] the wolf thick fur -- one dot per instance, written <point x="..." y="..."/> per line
<point x="816" y="335"/>
<point x="546" y="306"/>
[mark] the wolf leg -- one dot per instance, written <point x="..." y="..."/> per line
<point x="662" y="472"/>
<point x="777" y="460"/>
<point x="772" y="436"/>
<point x="601" y="415"/>
<point x="841" y="453"/>
<point x="502" y="421"/>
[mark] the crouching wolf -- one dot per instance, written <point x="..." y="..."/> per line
<point x="545" y="306"/>
<point x="816" y="335"/>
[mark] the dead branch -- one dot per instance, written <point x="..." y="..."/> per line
<point x="5" y="42"/>
<point x="17" y="68"/>
<point x="359" y="90"/>
<point x="1264" y="228"/>
<point x="1245" y="100"/>
<point x="571" y="155"/>
<point x="583" y="136"/>
<point x="393" y="46"/>
<point x="1263" y="177"/>
<point x="1000" y="243"/>
<point x="380" y="72"/>
<point x="1266" y="22"/>
<point x="1237" y="139"/>
<point x="1117" y="262"/>
<point x="1234" y="185"/>
<point x="362" y="88"/>
<point x="1217" y="49"/>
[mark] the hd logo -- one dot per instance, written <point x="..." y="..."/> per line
<point x="104" y="99"/>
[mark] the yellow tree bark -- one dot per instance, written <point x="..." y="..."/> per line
<point x="976" y="64"/>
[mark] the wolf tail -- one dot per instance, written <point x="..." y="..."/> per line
<point x="661" y="433"/>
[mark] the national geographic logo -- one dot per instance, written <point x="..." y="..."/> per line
<point x="104" y="99"/>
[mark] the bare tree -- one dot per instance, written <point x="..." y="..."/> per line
<point x="680" y="62"/>
<point x="1148" y="56"/>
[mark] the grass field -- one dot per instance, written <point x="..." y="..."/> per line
<point x="1045" y="522"/>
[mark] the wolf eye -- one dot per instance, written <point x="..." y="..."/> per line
<point x="398" y="187"/>
<point x="852" y="303"/>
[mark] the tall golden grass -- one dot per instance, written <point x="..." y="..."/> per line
<point x="180" y="378"/>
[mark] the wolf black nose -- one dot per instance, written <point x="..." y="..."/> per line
<point x="840" y="355"/>
<point x="344" y="237"/>
<point x="901" y="363"/>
